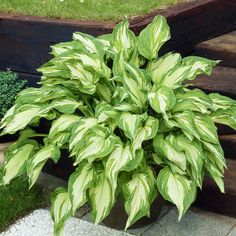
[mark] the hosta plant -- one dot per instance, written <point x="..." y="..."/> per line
<point x="128" y="119"/>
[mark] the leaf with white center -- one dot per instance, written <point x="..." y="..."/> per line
<point x="36" y="163"/>
<point x="130" y="122"/>
<point x="121" y="158"/>
<point x="138" y="195"/>
<point x="94" y="146"/>
<point x="221" y="102"/>
<point x="104" y="90"/>
<point x="162" y="100"/>
<point x="81" y="129"/>
<point x="206" y="128"/>
<point x="21" y="119"/>
<point x="194" y="100"/>
<point x="60" y="209"/>
<point x="78" y="184"/>
<point x="86" y="80"/>
<point x="176" y="76"/>
<point x="123" y="39"/>
<point x="147" y="132"/>
<point x="63" y="123"/>
<point x="101" y="198"/>
<point x="177" y="189"/>
<point x="199" y="65"/>
<point x="225" y="117"/>
<point x="87" y="41"/>
<point x="161" y="66"/>
<point x="104" y="111"/>
<point x="185" y="121"/>
<point x="66" y="105"/>
<point x="214" y="172"/>
<point x="16" y="160"/>
<point x="217" y="154"/>
<point x="194" y="154"/>
<point x="153" y="37"/>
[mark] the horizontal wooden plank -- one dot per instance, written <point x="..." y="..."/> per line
<point x="228" y="143"/>
<point x="31" y="78"/>
<point x="222" y="80"/>
<point x="211" y="199"/>
<point x="220" y="48"/>
<point x="26" y="39"/>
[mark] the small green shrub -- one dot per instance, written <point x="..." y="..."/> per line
<point x="132" y="126"/>
<point x="10" y="86"/>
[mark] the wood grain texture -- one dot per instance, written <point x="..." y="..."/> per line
<point x="220" y="48"/>
<point x="211" y="199"/>
<point x="222" y="80"/>
<point x="25" y="40"/>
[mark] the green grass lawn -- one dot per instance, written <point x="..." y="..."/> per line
<point x="101" y="10"/>
<point x="16" y="201"/>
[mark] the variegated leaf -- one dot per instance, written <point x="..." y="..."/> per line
<point x="123" y="39"/>
<point x="129" y="123"/>
<point x="199" y="65"/>
<point x="206" y="128"/>
<point x="153" y="37"/>
<point x="138" y="195"/>
<point x="148" y="131"/>
<point x="159" y="67"/>
<point x="64" y="123"/>
<point x="177" y="189"/>
<point x="101" y="198"/>
<point x="221" y="102"/>
<point x="162" y="100"/>
<point x="36" y="163"/>
<point x="78" y="184"/>
<point x="16" y="159"/>
<point x="66" y="105"/>
<point x="60" y="209"/>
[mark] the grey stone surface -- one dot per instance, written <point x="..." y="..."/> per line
<point x="194" y="223"/>
<point x="39" y="223"/>
<point x="232" y="232"/>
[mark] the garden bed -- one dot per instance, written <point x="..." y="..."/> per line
<point x="27" y="39"/>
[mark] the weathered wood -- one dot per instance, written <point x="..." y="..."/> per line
<point x="25" y="40"/>
<point x="222" y="80"/>
<point x="31" y="78"/>
<point x="211" y="199"/>
<point x="228" y="143"/>
<point x="222" y="47"/>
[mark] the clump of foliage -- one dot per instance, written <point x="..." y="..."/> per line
<point x="124" y="113"/>
<point x="10" y="86"/>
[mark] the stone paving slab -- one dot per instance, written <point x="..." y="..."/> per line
<point x="39" y="223"/>
<point x="194" y="223"/>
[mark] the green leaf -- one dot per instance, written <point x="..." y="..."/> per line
<point x="78" y="184"/>
<point x="60" y="210"/>
<point x="206" y="128"/>
<point x="36" y="163"/>
<point x="123" y="39"/>
<point x="177" y="189"/>
<point x="162" y="100"/>
<point x="161" y="66"/>
<point x="138" y="194"/>
<point x="101" y="198"/>
<point x="153" y="37"/>
<point x="130" y="122"/>
<point x="16" y="160"/>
